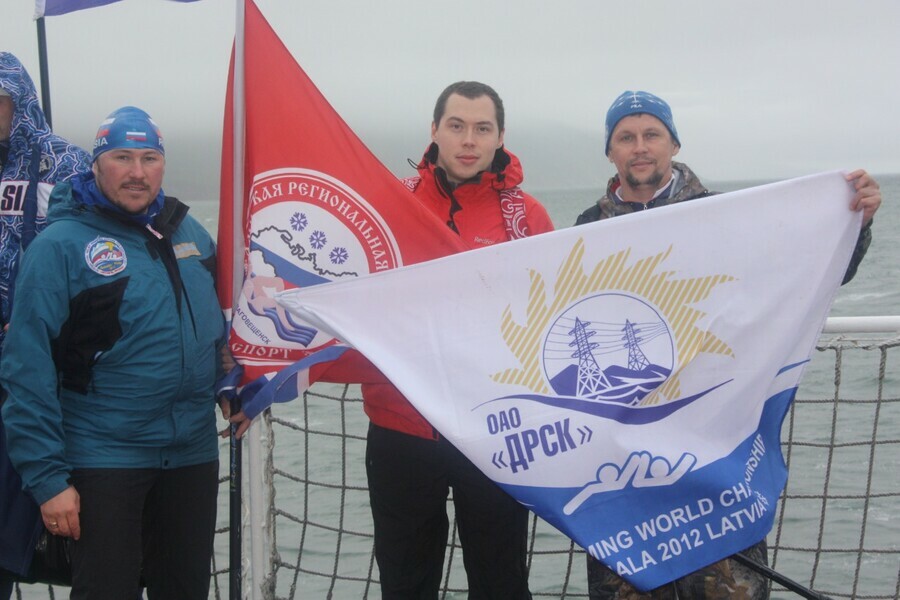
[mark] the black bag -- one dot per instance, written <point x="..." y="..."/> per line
<point x="51" y="562"/>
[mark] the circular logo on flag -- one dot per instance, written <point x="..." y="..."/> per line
<point x="306" y="228"/>
<point x="105" y="256"/>
<point x="321" y="225"/>
<point x="609" y="347"/>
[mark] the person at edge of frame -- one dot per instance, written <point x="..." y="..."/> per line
<point x="641" y="141"/>
<point x="32" y="160"/>
<point x="110" y="368"/>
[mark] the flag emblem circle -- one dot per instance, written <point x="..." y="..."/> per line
<point x="610" y="347"/>
<point x="306" y="228"/>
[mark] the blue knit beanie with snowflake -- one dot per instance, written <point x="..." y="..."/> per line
<point x="633" y="103"/>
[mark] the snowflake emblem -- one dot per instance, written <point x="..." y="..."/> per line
<point x="339" y="256"/>
<point x="299" y="221"/>
<point x="318" y="239"/>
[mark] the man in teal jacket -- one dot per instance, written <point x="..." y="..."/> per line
<point x="110" y="364"/>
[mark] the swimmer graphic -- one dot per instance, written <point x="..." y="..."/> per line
<point x="641" y="470"/>
<point x="258" y="290"/>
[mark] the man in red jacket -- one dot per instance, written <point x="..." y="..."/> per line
<point x="470" y="181"/>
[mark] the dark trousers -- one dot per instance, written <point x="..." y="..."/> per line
<point x="20" y="520"/>
<point x="7" y="581"/>
<point x="409" y="481"/>
<point x="159" y="523"/>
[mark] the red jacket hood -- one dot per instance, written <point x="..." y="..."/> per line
<point x="505" y="171"/>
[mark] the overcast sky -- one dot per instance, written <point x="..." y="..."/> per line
<point x="767" y="89"/>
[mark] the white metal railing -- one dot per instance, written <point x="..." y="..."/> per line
<point x="862" y="325"/>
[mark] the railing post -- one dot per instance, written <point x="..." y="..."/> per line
<point x="261" y="517"/>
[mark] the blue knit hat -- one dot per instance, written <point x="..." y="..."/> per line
<point x="128" y="127"/>
<point x="633" y="103"/>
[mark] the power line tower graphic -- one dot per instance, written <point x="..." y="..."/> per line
<point x="591" y="379"/>
<point x="636" y="358"/>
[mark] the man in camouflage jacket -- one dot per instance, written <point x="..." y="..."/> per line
<point x="641" y="140"/>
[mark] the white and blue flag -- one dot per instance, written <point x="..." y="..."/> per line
<point x="626" y="380"/>
<point x="51" y="8"/>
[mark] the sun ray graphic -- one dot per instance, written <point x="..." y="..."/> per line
<point x="644" y="278"/>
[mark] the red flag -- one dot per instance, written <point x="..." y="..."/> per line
<point x="318" y="206"/>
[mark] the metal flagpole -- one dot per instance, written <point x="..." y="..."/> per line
<point x="45" y="72"/>
<point x="235" y="455"/>
<point x="260" y="433"/>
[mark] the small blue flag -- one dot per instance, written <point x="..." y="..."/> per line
<point x="50" y="8"/>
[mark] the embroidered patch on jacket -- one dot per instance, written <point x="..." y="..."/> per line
<point x="105" y="256"/>
<point x="186" y="249"/>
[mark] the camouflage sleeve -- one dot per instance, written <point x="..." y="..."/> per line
<point x="726" y="579"/>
